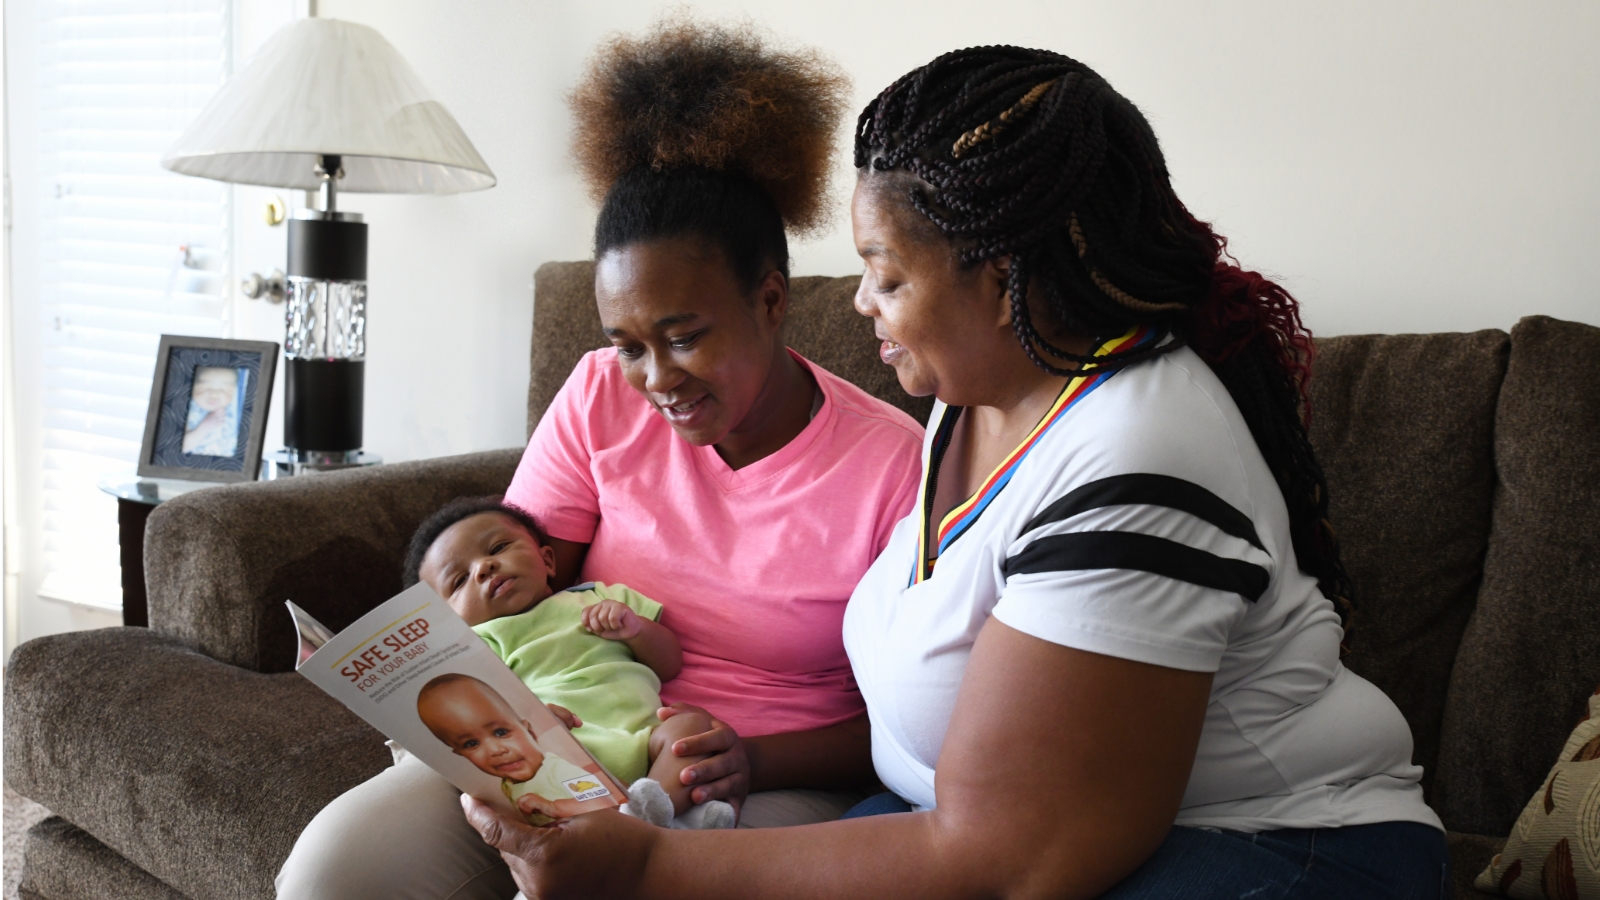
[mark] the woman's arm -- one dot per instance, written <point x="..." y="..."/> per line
<point x="1061" y="772"/>
<point x="569" y="562"/>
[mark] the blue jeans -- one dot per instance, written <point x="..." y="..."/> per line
<point x="1386" y="861"/>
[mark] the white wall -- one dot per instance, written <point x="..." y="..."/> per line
<point x="1401" y="166"/>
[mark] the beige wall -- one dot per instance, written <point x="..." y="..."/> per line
<point x="1401" y="166"/>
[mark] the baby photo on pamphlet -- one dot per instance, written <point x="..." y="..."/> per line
<point x="478" y="725"/>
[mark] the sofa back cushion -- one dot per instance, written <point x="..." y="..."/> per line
<point x="1403" y="426"/>
<point x="822" y="326"/>
<point x="1531" y="653"/>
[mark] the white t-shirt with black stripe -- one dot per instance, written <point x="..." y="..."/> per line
<point x="1141" y="523"/>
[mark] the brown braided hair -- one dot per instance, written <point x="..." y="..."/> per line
<point x="1031" y="155"/>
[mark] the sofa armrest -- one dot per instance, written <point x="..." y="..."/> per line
<point x="220" y="562"/>
<point x="200" y="773"/>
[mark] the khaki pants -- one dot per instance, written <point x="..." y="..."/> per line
<point x="401" y="836"/>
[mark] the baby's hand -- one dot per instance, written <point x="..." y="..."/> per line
<point x="612" y="620"/>
<point x="567" y="717"/>
<point x="533" y="804"/>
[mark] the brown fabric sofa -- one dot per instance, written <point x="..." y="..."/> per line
<point x="183" y="759"/>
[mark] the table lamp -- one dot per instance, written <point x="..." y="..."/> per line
<point x="328" y="106"/>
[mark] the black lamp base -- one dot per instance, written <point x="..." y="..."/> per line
<point x="322" y="400"/>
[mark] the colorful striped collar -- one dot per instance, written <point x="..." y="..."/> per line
<point x="960" y="519"/>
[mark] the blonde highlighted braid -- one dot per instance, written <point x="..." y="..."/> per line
<point x="992" y="129"/>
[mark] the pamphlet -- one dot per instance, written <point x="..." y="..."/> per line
<point x="416" y="671"/>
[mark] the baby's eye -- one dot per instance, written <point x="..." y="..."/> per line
<point x="469" y="743"/>
<point x="501" y="732"/>
<point x="460" y="580"/>
<point x="498" y="547"/>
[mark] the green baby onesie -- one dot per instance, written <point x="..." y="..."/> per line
<point x="550" y="782"/>
<point x="613" y="694"/>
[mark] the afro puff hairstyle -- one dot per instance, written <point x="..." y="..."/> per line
<point x="712" y="97"/>
<point x="703" y="132"/>
<point x="451" y="513"/>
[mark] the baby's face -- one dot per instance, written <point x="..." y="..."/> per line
<point x="214" y="387"/>
<point x="481" y="727"/>
<point x="488" y="566"/>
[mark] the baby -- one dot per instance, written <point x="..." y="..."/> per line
<point x="594" y="652"/>
<point x="212" y="425"/>
<point x="477" y="724"/>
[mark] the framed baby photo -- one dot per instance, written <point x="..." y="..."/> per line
<point x="208" y="409"/>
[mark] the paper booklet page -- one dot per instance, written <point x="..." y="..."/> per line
<point x="416" y="671"/>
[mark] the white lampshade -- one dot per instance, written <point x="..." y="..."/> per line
<point x="321" y="86"/>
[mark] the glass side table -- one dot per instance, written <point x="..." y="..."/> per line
<point x="136" y="497"/>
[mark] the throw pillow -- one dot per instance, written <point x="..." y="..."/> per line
<point x="1554" y="850"/>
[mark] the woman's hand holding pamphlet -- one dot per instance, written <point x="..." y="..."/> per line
<point x="416" y="671"/>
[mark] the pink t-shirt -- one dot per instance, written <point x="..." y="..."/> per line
<point x="752" y="567"/>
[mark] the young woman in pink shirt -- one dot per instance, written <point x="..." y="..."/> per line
<point x="697" y="460"/>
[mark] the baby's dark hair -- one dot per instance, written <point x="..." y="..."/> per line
<point x="451" y="513"/>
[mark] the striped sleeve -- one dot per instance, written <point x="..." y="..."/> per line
<point x="1141" y="566"/>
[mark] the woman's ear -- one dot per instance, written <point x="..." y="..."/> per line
<point x="772" y="299"/>
<point x="997" y="282"/>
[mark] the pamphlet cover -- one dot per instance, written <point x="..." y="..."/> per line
<point x="418" y="673"/>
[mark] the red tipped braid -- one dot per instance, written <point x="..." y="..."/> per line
<point x="1244" y="307"/>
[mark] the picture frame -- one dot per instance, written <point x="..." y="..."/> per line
<point x="209" y="401"/>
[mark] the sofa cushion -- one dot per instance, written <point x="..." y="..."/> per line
<point x="1403" y="426"/>
<point x="1531" y="653"/>
<point x="65" y="863"/>
<point x="200" y="773"/>
<point x="822" y="326"/>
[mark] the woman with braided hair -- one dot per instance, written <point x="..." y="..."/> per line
<point x="1101" y="657"/>
<point x="697" y="460"/>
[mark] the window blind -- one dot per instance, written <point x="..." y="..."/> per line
<point x="131" y="251"/>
